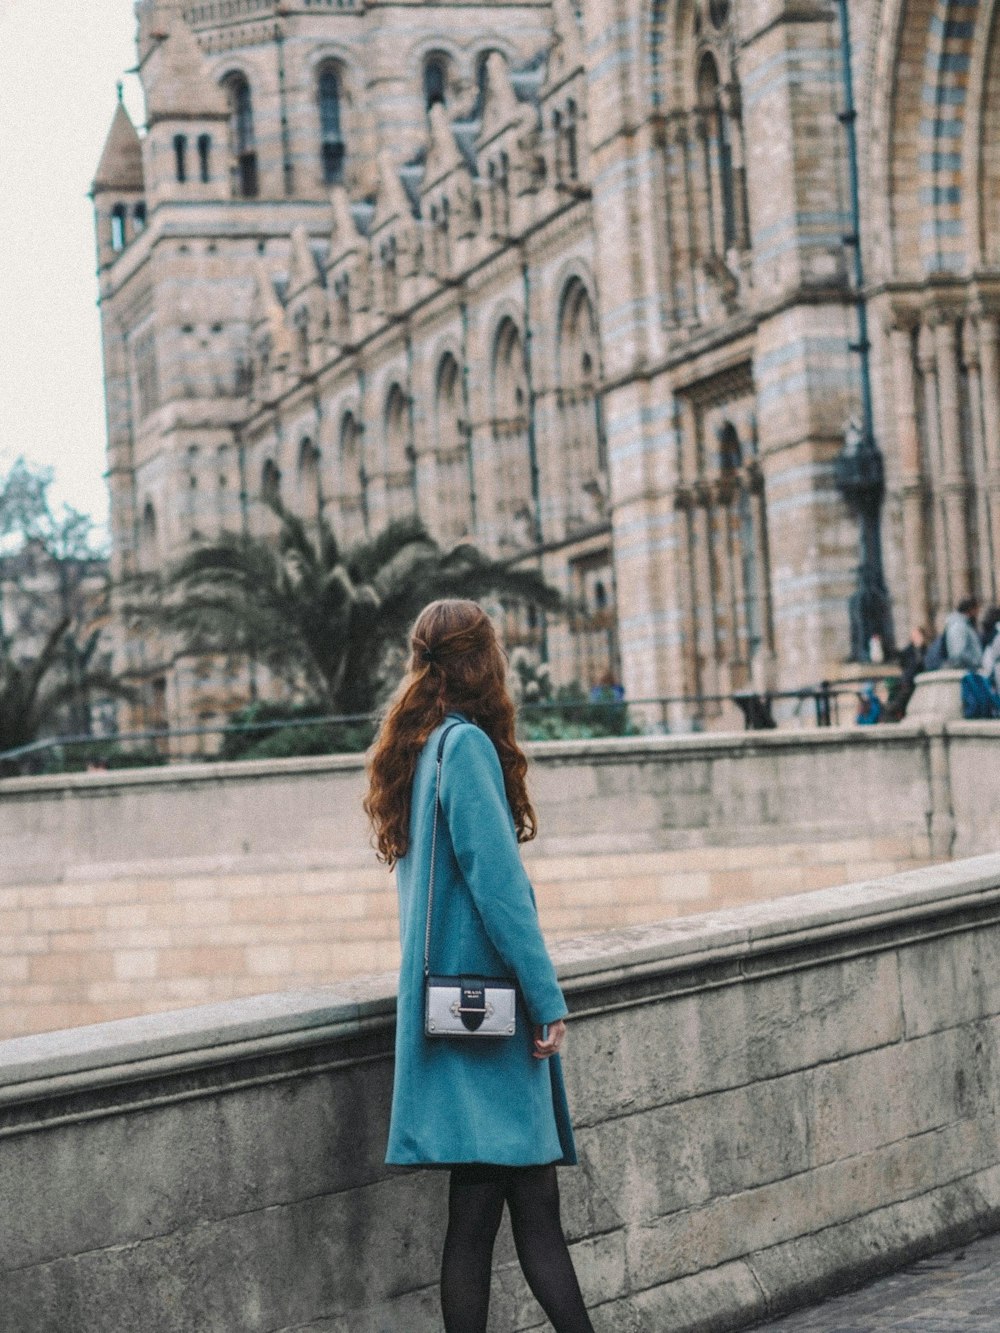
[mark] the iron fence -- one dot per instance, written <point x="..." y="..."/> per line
<point x="606" y="714"/>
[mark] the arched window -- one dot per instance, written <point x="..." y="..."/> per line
<point x="118" y="227"/>
<point x="390" y="275"/>
<point x="241" y="131"/>
<point x="583" y="463"/>
<point x="139" y="217"/>
<point x="310" y="492"/>
<point x="718" y="149"/>
<point x="332" y="148"/>
<point x="435" y="81"/>
<point x="149" y="550"/>
<point x="454" y="464"/>
<point x="180" y="157"/>
<point x="205" y="158"/>
<point x="400" y="494"/>
<point x="270" y="482"/>
<point x="352" y="498"/>
<point x="571" y="155"/>
<point x="515" y="518"/>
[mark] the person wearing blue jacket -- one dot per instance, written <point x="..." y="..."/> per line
<point x="492" y="1110"/>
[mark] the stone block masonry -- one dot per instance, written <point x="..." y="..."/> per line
<point x="134" y="892"/>
<point x="769" y="1101"/>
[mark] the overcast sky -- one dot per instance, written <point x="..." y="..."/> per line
<point x="59" y="61"/>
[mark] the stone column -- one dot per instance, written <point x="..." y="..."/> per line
<point x="683" y="141"/>
<point x="927" y="362"/>
<point x="989" y="362"/>
<point x="705" y="585"/>
<point x="984" y="562"/>
<point x="764" y="670"/>
<point x="911" y="474"/>
<point x="953" y="480"/>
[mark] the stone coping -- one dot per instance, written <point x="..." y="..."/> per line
<point x="679" y="745"/>
<point x="78" y="1058"/>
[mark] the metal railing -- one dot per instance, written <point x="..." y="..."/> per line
<point x="605" y="715"/>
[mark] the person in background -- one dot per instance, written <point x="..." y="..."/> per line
<point x="869" y="706"/>
<point x="911" y="663"/>
<point x="963" y="647"/>
<point x="990" y="666"/>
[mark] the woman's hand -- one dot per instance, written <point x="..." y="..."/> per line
<point x="546" y="1046"/>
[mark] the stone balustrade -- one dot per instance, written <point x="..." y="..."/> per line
<point x="124" y="893"/>
<point x="771" y="1101"/>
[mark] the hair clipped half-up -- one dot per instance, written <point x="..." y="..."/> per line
<point x="456" y="662"/>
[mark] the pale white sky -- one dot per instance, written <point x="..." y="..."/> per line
<point x="59" y="61"/>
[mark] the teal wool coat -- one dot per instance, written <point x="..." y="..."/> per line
<point x="458" y="1099"/>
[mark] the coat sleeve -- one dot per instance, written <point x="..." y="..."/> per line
<point x="485" y="841"/>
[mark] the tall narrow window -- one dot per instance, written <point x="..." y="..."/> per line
<point x="718" y="157"/>
<point x="180" y="157"/>
<point x="435" y="81"/>
<point x="400" y="489"/>
<point x="139" y="217"/>
<point x="515" y="517"/>
<point x="353" y="505"/>
<point x="582" y="464"/>
<point x="205" y="158"/>
<point x="118" y="227"/>
<point x="453" y="480"/>
<point x="333" y="150"/>
<point x="242" y="136"/>
<point x="572" y="155"/>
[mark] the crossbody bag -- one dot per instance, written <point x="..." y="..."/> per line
<point x="469" y="1005"/>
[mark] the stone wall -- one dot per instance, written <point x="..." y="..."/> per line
<point x="769" y="1103"/>
<point x="124" y="893"/>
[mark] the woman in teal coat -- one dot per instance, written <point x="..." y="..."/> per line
<point x="492" y="1110"/>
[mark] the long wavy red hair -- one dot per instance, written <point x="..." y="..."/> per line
<point x="456" y="662"/>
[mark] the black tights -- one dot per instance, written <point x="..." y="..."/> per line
<point x="476" y="1196"/>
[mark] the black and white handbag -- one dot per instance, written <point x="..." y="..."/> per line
<point x="469" y="1005"/>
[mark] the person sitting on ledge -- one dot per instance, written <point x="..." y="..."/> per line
<point x="963" y="648"/>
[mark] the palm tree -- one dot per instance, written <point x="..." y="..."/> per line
<point x="324" y="619"/>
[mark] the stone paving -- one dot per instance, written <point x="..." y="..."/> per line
<point x="958" y="1289"/>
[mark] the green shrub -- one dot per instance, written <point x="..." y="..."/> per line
<point x="286" y="742"/>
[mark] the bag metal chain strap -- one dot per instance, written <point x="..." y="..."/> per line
<point x="464" y="1006"/>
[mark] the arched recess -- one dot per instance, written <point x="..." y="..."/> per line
<point x="583" y="465"/>
<point x="309" y="479"/>
<point x="454" y="464"/>
<point x="921" y="162"/>
<point x="985" y="193"/>
<point x="352" y="499"/>
<point x="149" y="543"/>
<point x="330" y="103"/>
<point x="515" y="512"/>
<point x="270" y="495"/>
<point x="242" y="135"/>
<point x="400" y="493"/>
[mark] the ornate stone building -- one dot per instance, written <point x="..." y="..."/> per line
<point x="576" y="286"/>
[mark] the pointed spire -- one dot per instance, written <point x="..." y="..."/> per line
<point x="567" y="51"/>
<point x="303" y="271"/>
<point x="120" y="167"/>
<point x="344" y="234"/>
<point x="392" y="201"/>
<point x="501" y="106"/>
<point x="178" y="83"/>
<point x="267" y="309"/>
<point x="443" y="153"/>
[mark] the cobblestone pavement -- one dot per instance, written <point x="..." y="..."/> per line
<point x="958" y="1289"/>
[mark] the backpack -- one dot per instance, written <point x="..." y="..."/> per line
<point x="979" y="698"/>
<point x="937" y="654"/>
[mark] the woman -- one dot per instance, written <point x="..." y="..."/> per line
<point x="494" y="1109"/>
